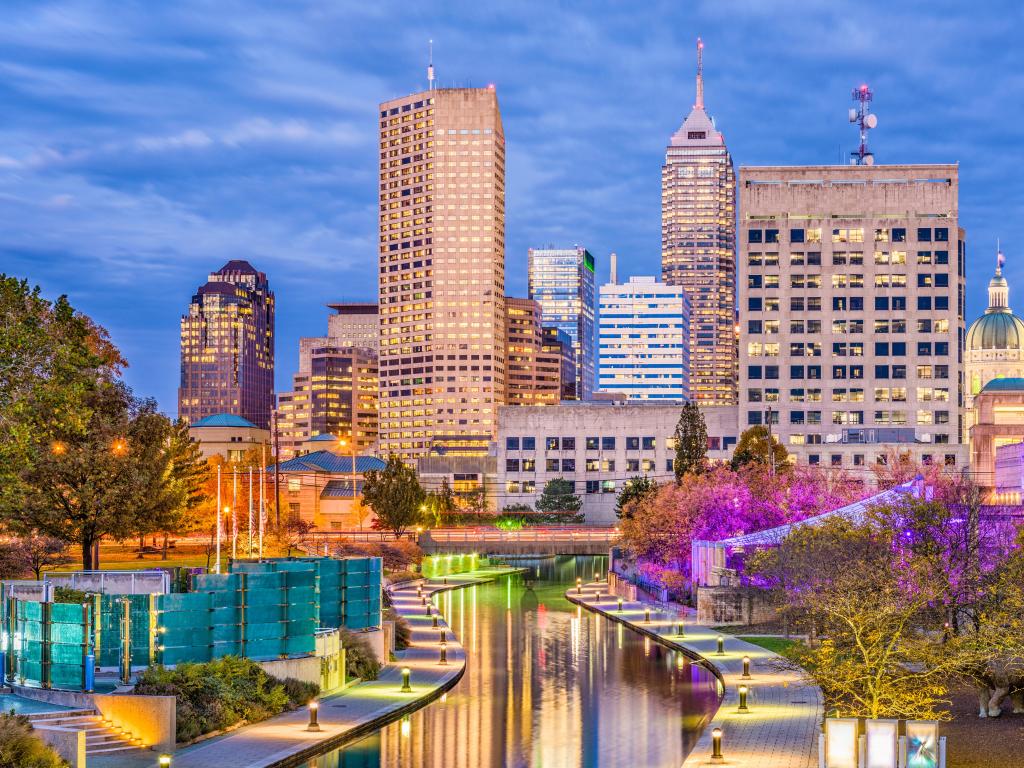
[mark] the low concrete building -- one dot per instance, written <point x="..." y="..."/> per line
<point x="998" y="420"/>
<point x="467" y="476"/>
<point x="317" y="487"/>
<point x="597" y="445"/>
<point x="228" y="436"/>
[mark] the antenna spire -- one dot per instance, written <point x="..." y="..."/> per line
<point x="1000" y="259"/>
<point x="700" y="75"/>
<point x="430" y="66"/>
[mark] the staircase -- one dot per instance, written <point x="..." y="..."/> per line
<point x="101" y="736"/>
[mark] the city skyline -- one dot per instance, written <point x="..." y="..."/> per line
<point x="86" y="143"/>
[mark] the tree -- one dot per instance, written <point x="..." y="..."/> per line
<point x="634" y="490"/>
<point x="108" y="478"/>
<point x="395" y="495"/>
<point x="691" y="439"/>
<point x="441" y="503"/>
<point x="846" y="583"/>
<point x="52" y="359"/>
<point x="31" y="555"/>
<point x="755" y="449"/>
<point x="188" y="477"/>
<point x="559" y="496"/>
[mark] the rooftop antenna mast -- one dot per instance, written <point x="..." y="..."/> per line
<point x="700" y="74"/>
<point x="430" y="66"/>
<point x="865" y="121"/>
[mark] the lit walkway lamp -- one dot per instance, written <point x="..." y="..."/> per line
<point x="314" y="721"/>
<point x="743" y="699"/>
<point x="406" y="674"/>
<point x="647" y="615"/>
<point x="721" y="646"/>
<point x="746" y="668"/>
<point x="579" y="586"/>
<point x="620" y="605"/>
<point x="444" y="655"/>
<point x="164" y="761"/>
<point x="716" y="745"/>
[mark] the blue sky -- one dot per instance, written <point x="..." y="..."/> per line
<point x="142" y="144"/>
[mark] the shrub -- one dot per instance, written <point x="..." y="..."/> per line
<point x="299" y="692"/>
<point x="21" y="748"/>
<point x="69" y="595"/>
<point x="400" y="576"/>
<point x="360" y="660"/>
<point x="403" y="632"/>
<point x="217" y="694"/>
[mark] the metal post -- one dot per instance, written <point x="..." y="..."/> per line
<point x="12" y="626"/>
<point x="277" y="474"/>
<point x="126" y="641"/>
<point x="250" y="511"/>
<point x="216" y="562"/>
<point x="263" y="510"/>
<point x="47" y="646"/>
<point x="234" y="513"/>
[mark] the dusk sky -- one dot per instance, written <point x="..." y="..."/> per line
<point x="143" y="144"/>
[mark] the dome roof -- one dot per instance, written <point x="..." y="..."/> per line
<point x="996" y="330"/>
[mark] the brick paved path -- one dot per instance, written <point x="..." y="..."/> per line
<point x="355" y="712"/>
<point x="780" y="730"/>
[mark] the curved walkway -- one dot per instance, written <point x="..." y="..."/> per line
<point x="780" y="730"/>
<point x="357" y="711"/>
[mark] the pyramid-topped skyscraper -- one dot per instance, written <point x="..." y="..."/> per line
<point x="698" y="245"/>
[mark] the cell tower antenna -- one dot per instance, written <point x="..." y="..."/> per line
<point x="700" y="74"/>
<point x="1000" y="259"/>
<point x="430" y="66"/>
<point x="865" y="120"/>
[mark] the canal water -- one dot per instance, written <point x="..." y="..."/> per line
<point x="547" y="686"/>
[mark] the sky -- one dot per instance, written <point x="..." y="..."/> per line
<point x="144" y="144"/>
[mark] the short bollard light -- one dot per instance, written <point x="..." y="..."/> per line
<point x="164" y="761"/>
<point x="746" y="667"/>
<point x="743" y="699"/>
<point x="314" y="720"/>
<point x="682" y="628"/>
<point x="419" y="590"/>
<point x="444" y="655"/>
<point x="721" y="646"/>
<point x="716" y="745"/>
<point x="647" y="615"/>
<point x="597" y="576"/>
<point x="445" y="580"/>
<point x="406" y="674"/>
<point x="620" y="605"/>
<point x="435" y="621"/>
<point x="444" y="638"/>
<point x="579" y="586"/>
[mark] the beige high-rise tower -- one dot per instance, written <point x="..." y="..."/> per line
<point x="698" y="246"/>
<point x="442" y="269"/>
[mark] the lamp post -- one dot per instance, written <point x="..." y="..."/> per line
<point x="406" y="674"/>
<point x="721" y="646"/>
<point x="716" y="745"/>
<point x="746" y="668"/>
<point x="743" y="699"/>
<point x="314" y="721"/>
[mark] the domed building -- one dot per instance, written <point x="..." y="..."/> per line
<point x="995" y="342"/>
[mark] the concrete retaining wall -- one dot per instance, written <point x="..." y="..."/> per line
<point x="68" y="743"/>
<point x="306" y="668"/>
<point x="152" y="719"/>
<point x="732" y="606"/>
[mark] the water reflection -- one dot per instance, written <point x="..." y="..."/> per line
<point x="547" y="685"/>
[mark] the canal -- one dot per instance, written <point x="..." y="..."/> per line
<point x="547" y="686"/>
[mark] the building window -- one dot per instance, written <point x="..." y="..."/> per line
<point x="529" y="443"/>
<point x="924" y="234"/>
<point x="568" y="465"/>
<point x="511" y="465"/>
<point x="551" y="443"/>
<point x="529" y="465"/>
<point x="632" y="443"/>
<point x="294" y="485"/>
<point x="607" y="443"/>
<point x="593" y="486"/>
<point x="648" y="443"/>
<point x="632" y="465"/>
<point x="568" y="443"/>
<point x="551" y="465"/>
<point x="607" y="486"/>
<point x="796" y="235"/>
<point x="592" y="443"/>
<point x="512" y="486"/>
<point x="511" y="443"/>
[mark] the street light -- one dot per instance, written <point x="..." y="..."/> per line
<point x="57" y="448"/>
<point x="120" y="447"/>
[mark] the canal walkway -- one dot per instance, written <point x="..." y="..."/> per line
<point x="351" y="714"/>
<point x="785" y="710"/>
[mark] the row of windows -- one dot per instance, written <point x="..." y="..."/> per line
<point x="755" y="372"/>
<point x="846" y="303"/>
<point x="848" y="394"/>
<point x="847" y="349"/>
<point x="591" y="465"/>
<point x="813" y="418"/>
<point x="850" y="235"/>
<point x="924" y="280"/>
<point x="923" y="325"/>
<point x="606" y="443"/>
<point x="841" y="258"/>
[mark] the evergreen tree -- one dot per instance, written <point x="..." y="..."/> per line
<point x="635" y="489"/>
<point x="559" y="496"/>
<point x="691" y="443"/>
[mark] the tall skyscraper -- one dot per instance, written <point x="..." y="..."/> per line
<point x="533" y="369"/>
<point x="698" y="245"/>
<point x="644" y="340"/>
<point x="227" y="347"/>
<point x="561" y="280"/>
<point x="852" y="300"/>
<point x="334" y="393"/>
<point x="442" y="268"/>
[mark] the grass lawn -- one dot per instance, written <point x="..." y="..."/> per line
<point x="777" y="645"/>
<point x="117" y="557"/>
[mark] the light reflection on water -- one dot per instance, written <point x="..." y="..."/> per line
<point x="547" y="686"/>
